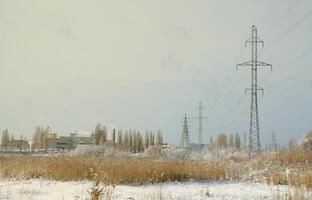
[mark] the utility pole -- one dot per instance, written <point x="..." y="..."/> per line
<point x="185" y="138"/>
<point x="254" y="133"/>
<point x="200" y="124"/>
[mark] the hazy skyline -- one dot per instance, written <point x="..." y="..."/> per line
<point x="143" y="64"/>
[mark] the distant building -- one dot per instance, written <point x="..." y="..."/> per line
<point x="84" y="140"/>
<point x="21" y="145"/>
<point x="51" y="143"/>
<point x="64" y="143"/>
<point x="68" y="142"/>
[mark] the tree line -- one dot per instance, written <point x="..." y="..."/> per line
<point x="130" y="140"/>
<point x="224" y="141"/>
<point x="9" y="142"/>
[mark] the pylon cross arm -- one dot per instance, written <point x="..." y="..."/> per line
<point x="258" y="40"/>
<point x="260" y="63"/>
<point x="258" y="88"/>
<point x="251" y="63"/>
<point x="244" y="64"/>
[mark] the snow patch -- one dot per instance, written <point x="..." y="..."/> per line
<point x="44" y="189"/>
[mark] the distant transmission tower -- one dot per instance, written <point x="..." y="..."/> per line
<point x="200" y="124"/>
<point x="273" y="142"/>
<point x="185" y="138"/>
<point x="254" y="133"/>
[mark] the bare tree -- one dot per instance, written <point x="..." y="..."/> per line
<point x="151" y="139"/>
<point x="159" y="138"/>
<point x="98" y="134"/>
<point x="130" y="139"/>
<point x="36" y="139"/>
<point x="292" y="144"/>
<point x="40" y="138"/>
<point x="5" y="142"/>
<point x="104" y="135"/>
<point x="146" y="141"/>
<point x="135" y="142"/>
<point x="140" y="142"/>
<point x="231" y="140"/>
<point x="114" y="136"/>
<point x="306" y="143"/>
<point x="211" y="142"/>
<point x="126" y="138"/>
<point x="222" y="141"/>
<point x="119" y="137"/>
<point x="237" y="141"/>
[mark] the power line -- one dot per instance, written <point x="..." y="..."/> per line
<point x="234" y="119"/>
<point x="262" y="19"/>
<point x="232" y="109"/>
<point x="294" y="60"/>
<point x="283" y="35"/>
<point x="285" y="65"/>
<point x="281" y="17"/>
<point x="290" y="87"/>
<point x="232" y="83"/>
<point x="289" y="78"/>
<point x="237" y="117"/>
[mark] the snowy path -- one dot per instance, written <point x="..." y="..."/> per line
<point x="37" y="189"/>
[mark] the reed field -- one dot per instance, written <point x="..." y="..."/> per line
<point x="282" y="167"/>
<point x="109" y="169"/>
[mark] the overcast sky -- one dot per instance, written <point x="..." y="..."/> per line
<point x="143" y="64"/>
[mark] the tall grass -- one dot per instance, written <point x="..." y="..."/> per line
<point x="291" y="167"/>
<point x="109" y="170"/>
<point x="284" y="167"/>
<point x="295" y="157"/>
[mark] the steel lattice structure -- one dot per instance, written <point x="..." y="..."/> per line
<point x="254" y="133"/>
<point x="200" y="124"/>
<point x="185" y="138"/>
<point x="273" y="142"/>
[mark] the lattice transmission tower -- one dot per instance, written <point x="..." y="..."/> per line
<point x="273" y="141"/>
<point x="200" y="124"/>
<point x="254" y="133"/>
<point x="185" y="138"/>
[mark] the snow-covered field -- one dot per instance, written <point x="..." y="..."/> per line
<point x="43" y="189"/>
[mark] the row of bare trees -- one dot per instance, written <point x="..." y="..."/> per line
<point x="9" y="142"/>
<point x="133" y="140"/>
<point x="100" y="134"/>
<point x="130" y="140"/>
<point x="39" y="140"/>
<point x="6" y="139"/>
<point x="224" y="141"/>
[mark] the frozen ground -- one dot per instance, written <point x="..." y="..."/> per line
<point x="42" y="189"/>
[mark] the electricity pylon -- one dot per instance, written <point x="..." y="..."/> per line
<point x="273" y="142"/>
<point x="254" y="133"/>
<point x="200" y="124"/>
<point x="185" y="138"/>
